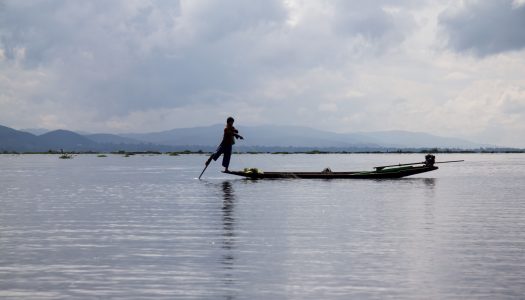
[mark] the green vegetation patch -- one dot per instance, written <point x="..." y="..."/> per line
<point x="252" y="171"/>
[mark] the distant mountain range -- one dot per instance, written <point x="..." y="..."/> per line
<point x="296" y="136"/>
<point x="20" y="141"/>
<point x="257" y="138"/>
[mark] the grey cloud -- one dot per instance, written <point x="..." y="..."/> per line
<point x="214" y="20"/>
<point x="485" y="27"/>
<point x="370" y="21"/>
<point x="126" y="56"/>
<point x="383" y="22"/>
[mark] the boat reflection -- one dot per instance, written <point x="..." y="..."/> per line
<point x="430" y="182"/>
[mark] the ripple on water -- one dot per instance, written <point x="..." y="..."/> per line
<point x="143" y="227"/>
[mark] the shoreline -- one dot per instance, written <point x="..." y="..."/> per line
<point x="313" y="152"/>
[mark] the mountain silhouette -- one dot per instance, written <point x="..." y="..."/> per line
<point x="257" y="138"/>
<point x="105" y="138"/>
<point x="15" y="140"/>
<point x="299" y="136"/>
<point x="65" y="139"/>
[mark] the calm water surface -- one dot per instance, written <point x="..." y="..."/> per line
<point x="144" y="227"/>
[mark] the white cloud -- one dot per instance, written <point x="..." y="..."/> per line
<point x="518" y="3"/>
<point x="328" y="107"/>
<point x="153" y="65"/>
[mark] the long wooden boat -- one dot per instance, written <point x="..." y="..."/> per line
<point x="379" y="173"/>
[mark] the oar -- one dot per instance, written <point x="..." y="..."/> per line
<point x="417" y="163"/>
<point x="206" y="166"/>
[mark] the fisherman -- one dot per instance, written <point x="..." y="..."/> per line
<point x="228" y="139"/>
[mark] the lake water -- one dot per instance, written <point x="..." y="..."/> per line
<point x="144" y="227"/>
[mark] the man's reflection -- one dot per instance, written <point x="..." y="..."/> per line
<point x="228" y="241"/>
<point x="228" y="220"/>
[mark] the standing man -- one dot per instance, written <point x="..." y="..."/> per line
<point x="228" y="139"/>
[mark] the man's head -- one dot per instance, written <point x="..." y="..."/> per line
<point x="230" y="120"/>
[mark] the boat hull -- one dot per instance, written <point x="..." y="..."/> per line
<point x="379" y="174"/>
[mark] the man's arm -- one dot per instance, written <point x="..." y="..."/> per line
<point x="236" y="134"/>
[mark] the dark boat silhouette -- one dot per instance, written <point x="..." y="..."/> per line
<point x="382" y="172"/>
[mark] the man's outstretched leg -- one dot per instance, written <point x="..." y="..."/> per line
<point x="215" y="155"/>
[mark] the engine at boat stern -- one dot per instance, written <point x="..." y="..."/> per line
<point x="430" y="160"/>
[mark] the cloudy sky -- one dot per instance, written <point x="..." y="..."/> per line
<point x="452" y="68"/>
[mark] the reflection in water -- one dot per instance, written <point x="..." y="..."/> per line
<point x="429" y="181"/>
<point x="429" y="188"/>
<point x="426" y="184"/>
<point x="228" y="221"/>
<point x="430" y="184"/>
<point x="116" y="230"/>
<point x="228" y="241"/>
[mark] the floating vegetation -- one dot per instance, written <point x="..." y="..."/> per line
<point x="65" y="156"/>
<point x="102" y="155"/>
<point x="173" y="154"/>
<point x="326" y="171"/>
<point x="252" y="171"/>
<point x="316" y="152"/>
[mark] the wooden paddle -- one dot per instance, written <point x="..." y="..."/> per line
<point x="418" y="163"/>
<point x="207" y="164"/>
